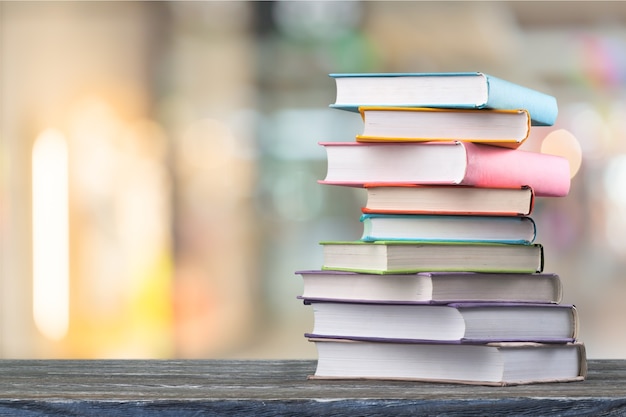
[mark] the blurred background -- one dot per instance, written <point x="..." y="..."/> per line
<point x="159" y="161"/>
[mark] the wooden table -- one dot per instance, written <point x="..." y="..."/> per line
<point x="271" y="388"/>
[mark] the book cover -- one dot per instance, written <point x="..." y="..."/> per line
<point x="431" y="287"/>
<point x="506" y="128"/>
<point x="432" y="228"/>
<point x="445" y="163"/>
<point x="473" y="90"/>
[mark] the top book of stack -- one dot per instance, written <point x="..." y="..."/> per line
<point x="461" y="90"/>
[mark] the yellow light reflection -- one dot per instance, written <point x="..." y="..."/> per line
<point x="50" y="234"/>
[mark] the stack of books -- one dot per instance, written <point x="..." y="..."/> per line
<point x="446" y="282"/>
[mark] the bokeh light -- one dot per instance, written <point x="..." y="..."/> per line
<point x="563" y="143"/>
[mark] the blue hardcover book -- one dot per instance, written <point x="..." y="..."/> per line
<point x="466" y="90"/>
<point x="443" y="228"/>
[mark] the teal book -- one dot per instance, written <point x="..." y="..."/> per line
<point x="405" y="257"/>
<point x="464" y="90"/>
<point x="435" y="228"/>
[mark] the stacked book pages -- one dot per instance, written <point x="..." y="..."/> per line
<point x="446" y="282"/>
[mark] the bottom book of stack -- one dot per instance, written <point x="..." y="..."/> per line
<point x="496" y="363"/>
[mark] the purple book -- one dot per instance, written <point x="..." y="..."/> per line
<point x="498" y="363"/>
<point x="431" y="287"/>
<point x="450" y="323"/>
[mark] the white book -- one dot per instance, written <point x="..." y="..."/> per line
<point x="487" y="364"/>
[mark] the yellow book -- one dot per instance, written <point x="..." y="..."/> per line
<point x="505" y="128"/>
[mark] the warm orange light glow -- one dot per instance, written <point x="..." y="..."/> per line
<point x="562" y="143"/>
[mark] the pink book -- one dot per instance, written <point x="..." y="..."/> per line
<point x="445" y="163"/>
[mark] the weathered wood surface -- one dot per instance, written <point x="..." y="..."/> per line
<point x="259" y="388"/>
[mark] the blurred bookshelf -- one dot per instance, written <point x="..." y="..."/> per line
<point x="191" y="131"/>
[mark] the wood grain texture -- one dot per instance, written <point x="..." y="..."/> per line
<point x="260" y="388"/>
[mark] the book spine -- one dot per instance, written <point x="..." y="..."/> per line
<point x="491" y="167"/>
<point x="503" y="94"/>
<point x="531" y="205"/>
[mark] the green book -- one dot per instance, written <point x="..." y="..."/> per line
<point x="393" y="257"/>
